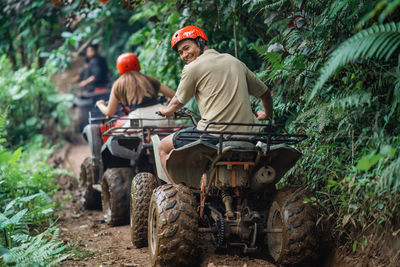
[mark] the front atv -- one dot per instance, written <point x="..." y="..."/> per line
<point x="233" y="186"/>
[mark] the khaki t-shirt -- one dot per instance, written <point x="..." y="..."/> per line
<point x="221" y="85"/>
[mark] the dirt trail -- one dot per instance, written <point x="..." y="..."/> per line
<point x="101" y="245"/>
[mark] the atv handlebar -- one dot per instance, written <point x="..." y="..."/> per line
<point x="181" y="113"/>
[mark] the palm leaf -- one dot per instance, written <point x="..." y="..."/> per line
<point x="379" y="41"/>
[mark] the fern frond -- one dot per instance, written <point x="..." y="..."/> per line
<point x="379" y="41"/>
<point x="275" y="5"/>
<point x="390" y="177"/>
<point x="40" y="250"/>
<point x="350" y="101"/>
<point x="294" y="37"/>
<point x="255" y="3"/>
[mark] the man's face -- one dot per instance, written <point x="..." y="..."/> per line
<point x="188" y="50"/>
<point x="90" y="52"/>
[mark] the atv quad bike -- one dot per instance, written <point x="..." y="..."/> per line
<point x="120" y="147"/>
<point x="228" y="190"/>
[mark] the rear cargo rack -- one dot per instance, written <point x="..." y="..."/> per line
<point x="136" y="125"/>
<point x="269" y="134"/>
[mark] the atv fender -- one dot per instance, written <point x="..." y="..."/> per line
<point x="188" y="163"/>
<point x="120" y="151"/>
<point x="160" y="171"/>
<point x="281" y="158"/>
<point x="91" y="133"/>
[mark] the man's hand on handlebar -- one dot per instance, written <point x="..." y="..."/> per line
<point x="262" y="115"/>
<point x="164" y="111"/>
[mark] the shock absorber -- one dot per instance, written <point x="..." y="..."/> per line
<point x="227" y="200"/>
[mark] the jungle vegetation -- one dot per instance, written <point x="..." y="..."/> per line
<point x="333" y="67"/>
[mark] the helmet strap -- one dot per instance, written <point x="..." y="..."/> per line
<point x="201" y="44"/>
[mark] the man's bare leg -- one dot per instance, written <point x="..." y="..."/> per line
<point x="164" y="147"/>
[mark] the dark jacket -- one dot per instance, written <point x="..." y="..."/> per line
<point x="97" y="68"/>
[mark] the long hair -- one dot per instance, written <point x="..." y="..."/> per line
<point x="132" y="87"/>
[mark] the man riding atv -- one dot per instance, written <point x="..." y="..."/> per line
<point x="93" y="84"/>
<point x="221" y="85"/>
<point x="222" y="174"/>
<point x="96" y="73"/>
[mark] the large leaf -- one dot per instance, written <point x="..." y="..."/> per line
<point x="368" y="161"/>
<point x="379" y="41"/>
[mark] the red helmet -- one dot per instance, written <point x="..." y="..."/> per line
<point x="188" y="32"/>
<point x="127" y="62"/>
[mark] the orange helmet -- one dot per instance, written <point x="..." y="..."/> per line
<point x="127" y="62"/>
<point x="188" y="32"/>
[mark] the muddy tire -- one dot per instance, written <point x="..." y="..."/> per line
<point x="173" y="226"/>
<point x="297" y="242"/>
<point x="142" y="188"/>
<point x="89" y="196"/>
<point x="115" y="195"/>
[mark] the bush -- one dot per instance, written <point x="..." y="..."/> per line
<point x="31" y="101"/>
<point x="26" y="184"/>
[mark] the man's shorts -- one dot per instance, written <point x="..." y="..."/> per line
<point x="189" y="137"/>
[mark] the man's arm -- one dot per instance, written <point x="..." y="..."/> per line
<point x="258" y="89"/>
<point x="266" y="101"/>
<point x="87" y="81"/>
<point x="96" y="70"/>
<point x="174" y="105"/>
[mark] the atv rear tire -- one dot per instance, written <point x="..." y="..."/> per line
<point x="297" y="242"/>
<point x="173" y="226"/>
<point x="142" y="188"/>
<point x="89" y="196"/>
<point x="115" y="195"/>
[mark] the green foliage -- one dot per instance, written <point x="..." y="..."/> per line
<point x="41" y="250"/>
<point x="153" y="40"/>
<point x="378" y="41"/>
<point x="26" y="29"/>
<point x="351" y="158"/>
<point x="26" y="182"/>
<point x="32" y="102"/>
<point x="91" y="22"/>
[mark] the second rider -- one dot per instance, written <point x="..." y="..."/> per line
<point x="221" y="85"/>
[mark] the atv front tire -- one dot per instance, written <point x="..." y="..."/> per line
<point x="115" y="195"/>
<point x="89" y="196"/>
<point x="142" y="188"/>
<point x="294" y="240"/>
<point x="173" y="226"/>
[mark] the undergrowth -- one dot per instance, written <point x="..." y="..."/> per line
<point x="28" y="235"/>
<point x="339" y="84"/>
<point x="32" y="102"/>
